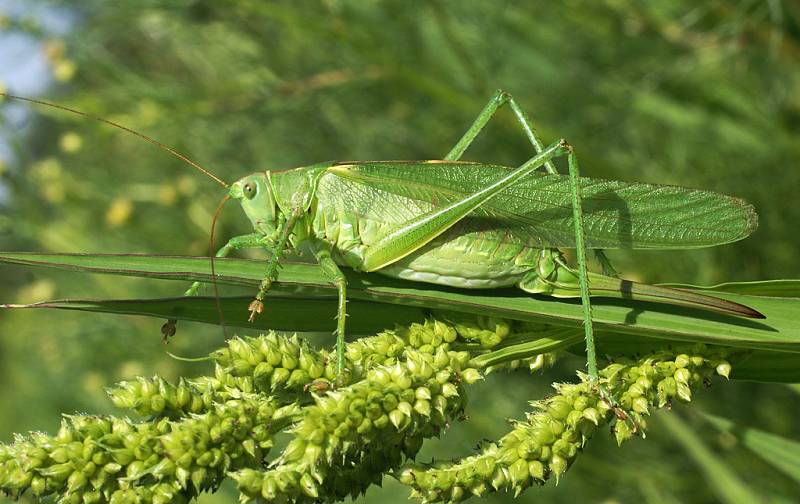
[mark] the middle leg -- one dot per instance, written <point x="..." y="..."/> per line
<point x="336" y="277"/>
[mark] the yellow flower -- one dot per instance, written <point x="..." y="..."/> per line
<point x="64" y="70"/>
<point x="119" y="212"/>
<point x="70" y="142"/>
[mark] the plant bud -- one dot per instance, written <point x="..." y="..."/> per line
<point x="456" y="494"/>
<point x="406" y="477"/>
<point x="248" y="481"/>
<point x="309" y="486"/>
<point x="558" y="465"/>
<point x="667" y="388"/>
<point x="640" y="405"/>
<point x="289" y="361"/>
<point x="58" y="472"/>
<point x="38" y="485"/>
<point x="380" y="376"/>
<point x="684" y="392"/>
<point x="697" y="360"/>
<point x="518" y="472"/>
<point x="498" y="479"/>
<point x="471" y="375"/>
<point x="389" y="402"/>
<point x="197" y="405"/>
<point x="635" y="390"/>
<point x="423" y="393"/>
<point x="157" y="404"/>
<point x="622" y="432"/>
<point x="241" y="367"/>
<point x="723" y="369"/>
<point x="88" y="469"/>
<point x="564" y="448"/>
<point x="682" y="361"/>
<point x="490" y="339"/>
<point x="460" y="359"/>
<point x="536" y="470"/>
<point x="269" y="489"/>
<point x="405" y="408"/>
<point x="404" y="382"/>
<point x="315" y="370"/>
<point x="559" y="408"/>
<point x="112" y="468"/>
<point x="298" y="378"/>
<point x="198" y="477"/>
<point x="397" y="418"/>
<point x="449" y="390"/>
<point x="683" y="375"/>
<point x="574" y="418"/>
<point x="183" y="396"/>
<point x="59" y="455"/>
<point x="443" y="376"/>
<point x="279" y="376"/>
<point x="581" y="403"/>
<point x="76" y="481"/>
<point x="422" y="407"/>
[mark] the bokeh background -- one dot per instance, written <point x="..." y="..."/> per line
<point x="701" y="94"/>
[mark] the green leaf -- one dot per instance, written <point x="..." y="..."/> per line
<point x="728" y="486"/>
<point x="752" y="365"/>
<point x="540" y="342"/>
<point x="774" y="288"/>
<point x="781" y="453"/>
<point x="281" y="313"/>
<point x="779" y="332"/>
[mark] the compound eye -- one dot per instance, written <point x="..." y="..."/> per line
<point x="249" y="190"/>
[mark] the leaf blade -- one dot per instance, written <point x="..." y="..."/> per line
<point x="779" y="332"/>
<point x="283" y="313"/>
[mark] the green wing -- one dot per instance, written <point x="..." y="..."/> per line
<point x="538" y="211"/>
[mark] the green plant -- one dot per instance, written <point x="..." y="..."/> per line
<point x="404" y="386"/>
<point x="696" y="95"/>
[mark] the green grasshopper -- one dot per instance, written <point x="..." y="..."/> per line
<point x="475" y="225"/>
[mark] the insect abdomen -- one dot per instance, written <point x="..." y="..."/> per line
<point x="470" y="255"/>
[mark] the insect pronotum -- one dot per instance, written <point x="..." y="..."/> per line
<point x="476" y="225"/>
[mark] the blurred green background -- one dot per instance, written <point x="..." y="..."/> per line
<point x="704" y="95"/>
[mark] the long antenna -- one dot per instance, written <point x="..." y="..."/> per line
<point x="124" y="128"/>
<point x="211" y="255"/>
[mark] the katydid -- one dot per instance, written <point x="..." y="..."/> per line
<point x="475" y="225"/>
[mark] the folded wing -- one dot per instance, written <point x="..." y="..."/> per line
<point x="539" y="209"/>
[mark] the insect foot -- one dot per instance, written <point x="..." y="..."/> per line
<point x="168" y="330"/>
<point x="256" y="307"/>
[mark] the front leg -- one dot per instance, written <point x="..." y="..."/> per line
<point x="253" y="240"/>
<point x="322" y="253"/>
<point x="278" y="249"/>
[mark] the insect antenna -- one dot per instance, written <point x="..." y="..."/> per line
<point x="123" y="128"/>
<point x="211" y="255"/>
<point x="169" y="328"/>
